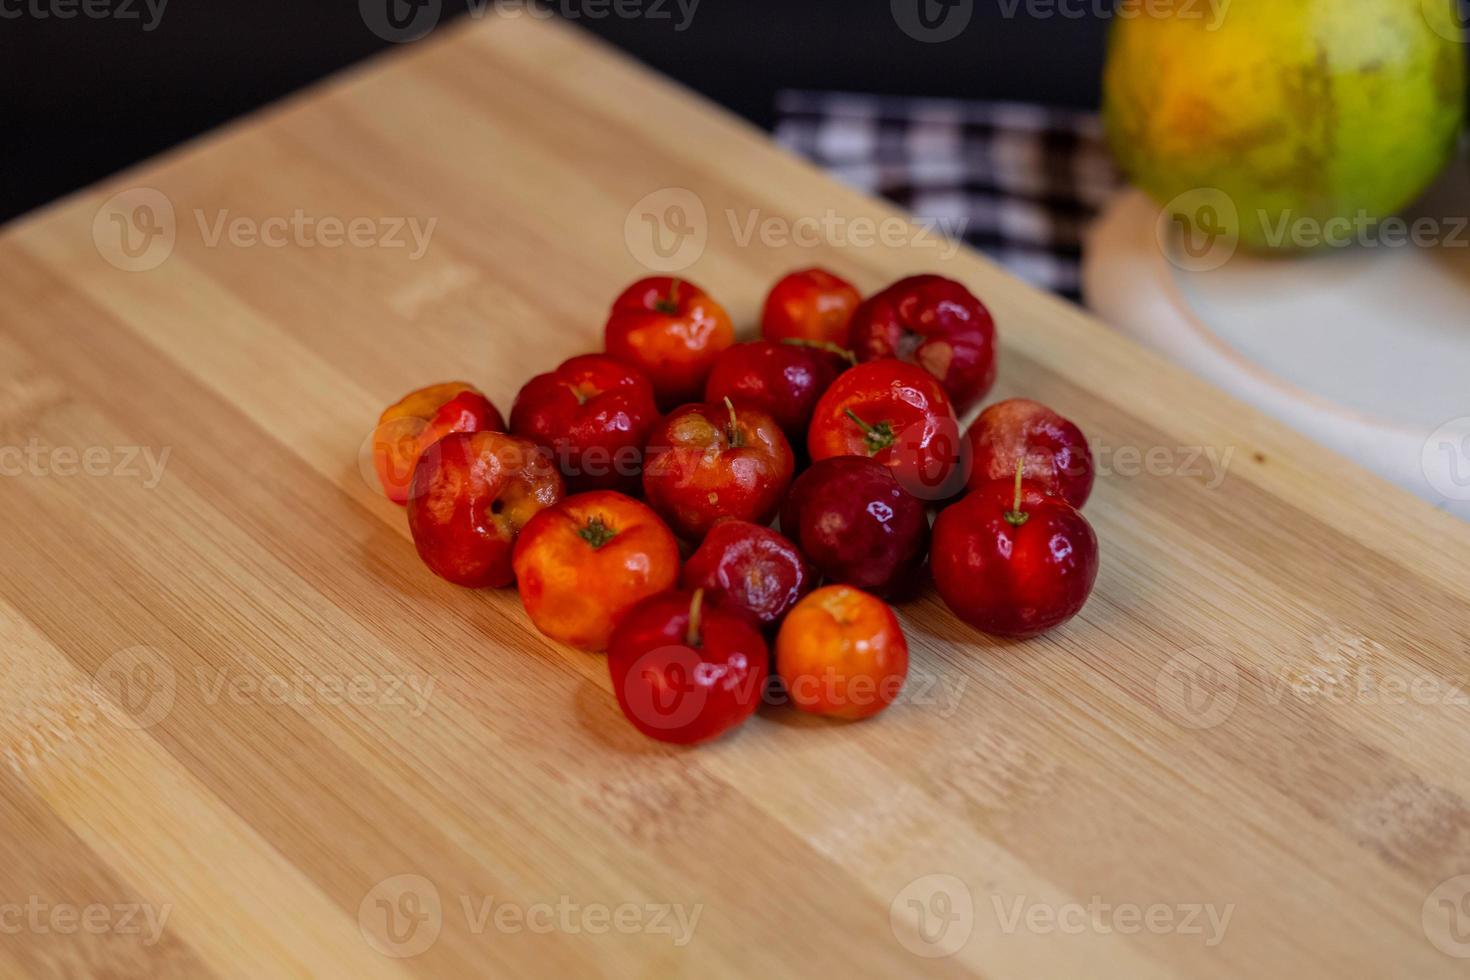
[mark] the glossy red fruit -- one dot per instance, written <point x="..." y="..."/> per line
<point x="812" y="304"/>
<point x="685" y="671"/>
<point x="750" y="568"/>
<point x="417" y="421"/>
<point x="936" y="323"/>
<point x="705" y="462"/>
<point x="784" y="379"/>
<point x="857" y="526"/>
<point x="898" y="415"/>
<point x="471" y="494"/>
<point x="1014" y="561"/>
<point x="842" y="653"/>
<point x="594" y="414"/>
<point x="671" y="331"/>
<point x="585" y="562"/>
<point x="1055" y="453"/>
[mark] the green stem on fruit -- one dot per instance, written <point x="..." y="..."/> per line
<point x="879" y="437"/>
<point x="825" y="345"/>
<point x="736" y="439"/>
<point x="669" y="305"/>
<point x="696" y="606"/>
<point x="597" y="533"/>
<point x="1016" y="516"/>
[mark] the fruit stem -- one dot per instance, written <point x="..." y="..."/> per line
<point x="736" y="439"/>
<point x="696" y="606"/>
<point x="597" y="533"/>
<point x="670" y="304"/>
<point x="1016" y="516"/>
<point x="879" y="437"/>
<point x="825" y="345"/>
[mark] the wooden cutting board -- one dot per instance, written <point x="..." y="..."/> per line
<point x="246" y="733"/>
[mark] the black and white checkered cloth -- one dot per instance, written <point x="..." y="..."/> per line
<point x="1023" y="181"/>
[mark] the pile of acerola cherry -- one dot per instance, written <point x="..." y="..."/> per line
<point x="869" y="394"/>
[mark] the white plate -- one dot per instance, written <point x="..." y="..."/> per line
<point x="1365" y="348"/>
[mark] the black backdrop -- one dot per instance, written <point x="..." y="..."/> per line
<point x="85" y="95"/>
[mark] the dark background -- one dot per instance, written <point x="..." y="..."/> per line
<point x="87" y="96"/>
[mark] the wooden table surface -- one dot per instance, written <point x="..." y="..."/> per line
<point x="245" y="732"/>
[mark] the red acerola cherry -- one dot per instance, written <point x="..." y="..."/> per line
<point x="671" y="330"/>
<point x="936" y="323"/>
<point x="899" y="415"/>
<point x="594" y="414"/>
<point x="812" y="304"/>
<point x="842" y="653"/>
<point x="783" y="379"/>
<point x="856" y="524"/>
<point x="1014" y="561"/>
<point x="750" y="568"/>
<point x="472" y="493"/>
<point x="686" y="672"/>
<point x="705" y="462"/>
<point x="1053" y="450"/>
